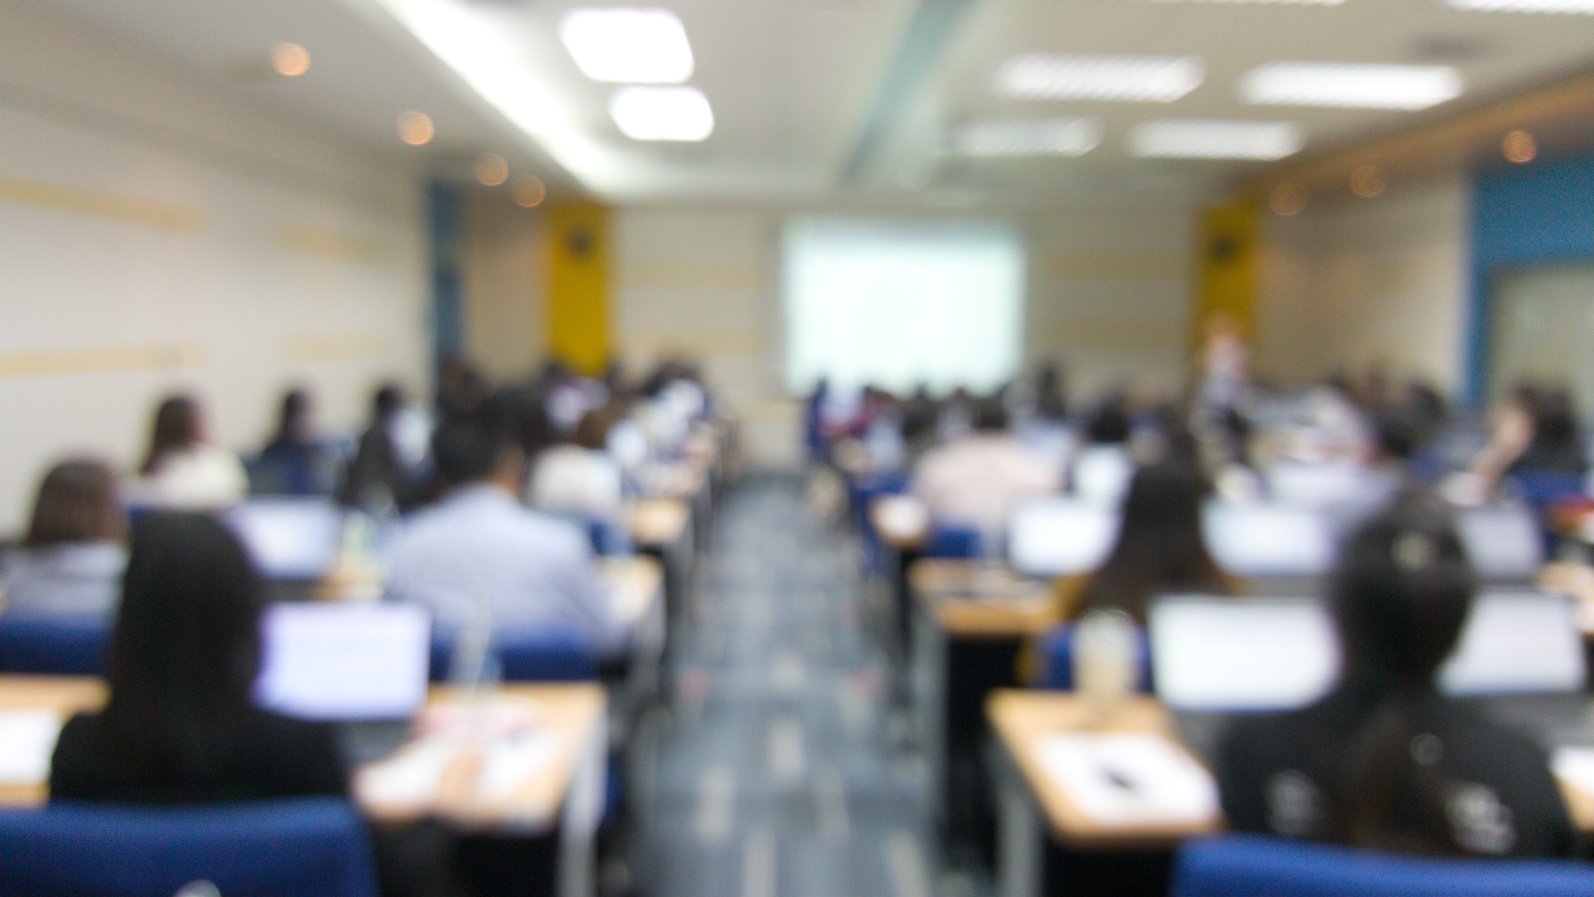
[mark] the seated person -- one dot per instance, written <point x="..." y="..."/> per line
<point x="293" y="462"/>
<point x="578" y="476"/>
<point x="1160" y="548"/>
<point x="182" y="469"/>
<point x="181" y="725"/>
<point x="979" y="478"/>
<point x="1385" y="761"/>
<point x="480" y="549"/>
<point x="385" y="472"/>
<point x="71" y="560"/>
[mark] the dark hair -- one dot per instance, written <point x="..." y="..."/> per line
<point x="1399" y="598"/>
<point x="1399" y="433"/>
<point x="592" y="432"/>
<point x="1051" y="394"/>
<point x="176" y="428"/>
<point x="990" y="415"/>
<point x="468" y="451"/>
<point x="1160" y="544"/>
<point x="77" y="502"/>
<point x="387" y="401"/>
<point x="186" y="649"/>
<point x="293" y="417"/>
<point x="1109" y="423"/>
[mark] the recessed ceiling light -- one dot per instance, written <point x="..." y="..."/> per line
<point x="1519" y="147"/>
<point x="1153" y="79"/>
<point x="662" y="113"/>
<point x="528" y="192"/>
<point x="1288" y="199"/>
<point x="1350" y="85"/>
<point x="491" y="169"/>
<point x="1585" y="7"/>
<point x="290" y="60"/>
<point x="1028" y="137"/>
<point x="1367" y="181"/>
<point x="1188" y="138"/>
<point x="416" y="128"/>
<point x="627" y="46"/>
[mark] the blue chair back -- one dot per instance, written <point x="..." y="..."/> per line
<point x="1057" y="660"/>
<point x="953" y="541"/>
<point x="1263" y="866"/>
<point x="59" y="646"/>
<point x="312" y="847"/>
<point x="609" y="539"/>
<point x="553" y="654"/>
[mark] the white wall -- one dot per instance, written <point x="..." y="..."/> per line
<point x="1365" y="281"/>
<point x="157" y="236"/>
<point x="505" y="283"/>
<point x="1108" y="294"/>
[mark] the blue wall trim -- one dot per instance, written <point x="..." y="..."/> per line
<point x="446" y="227"/>
<point x="1523" y="216"/>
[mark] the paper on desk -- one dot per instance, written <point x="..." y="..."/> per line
<point x="1575" y="765"/>
<point x="27" y="738"/>
<point x="411" y="777"/>
<point x="1130" y="778"/>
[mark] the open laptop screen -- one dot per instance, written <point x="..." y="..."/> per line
<point x="354" y="661"/>
<point x="289" y="538"/>
<point x="1267" y="539"/>
<point x="1060" y="536"/>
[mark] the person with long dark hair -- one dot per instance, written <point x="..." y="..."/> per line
<point x="181" y="725"/>
<point x="1160" y="547"/>
<point x="1385" y="761"/>
<point x="382" y="475"/>
<point x="293" y="461"/>
<point x="71" y="558"/>
<point x="182" y="469"/>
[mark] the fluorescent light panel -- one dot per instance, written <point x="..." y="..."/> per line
<point x="1586" y="7"/>
<point x="1028" y="137"/>
<point x="1144" y="79"/>
<point x="662" y="113"/>
<point x="627" y="46"/>
<point x="1184" y="138"/>
<point x="1350" y="85"/>
<point x="1271" y="2"/>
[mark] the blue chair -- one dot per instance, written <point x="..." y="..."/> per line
<point x="60" y="646"/>
<point x="555" y="654"/>
<point x="609" y="539"/>
<point x="953" y="541"/>
<point x="312" y="847"/>
<point x="1057" y="660"/>
<point x="1264" y="866"/>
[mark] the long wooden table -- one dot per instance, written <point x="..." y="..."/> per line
<point x="1037" y="816"/>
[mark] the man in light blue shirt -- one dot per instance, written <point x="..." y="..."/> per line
<point x="480" y="551"/>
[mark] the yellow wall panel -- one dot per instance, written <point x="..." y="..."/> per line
<point x="578" y="255"/>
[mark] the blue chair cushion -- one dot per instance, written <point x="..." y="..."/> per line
<point x="61" y="646"/>
<point x="553" y="654"/>
<point x="1264" y="866"/>
<point x="312" y="847"/>
<point x="1057" y="660"/>
<point x="953" y="541"/>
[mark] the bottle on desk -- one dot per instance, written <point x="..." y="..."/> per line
<point x="1104" y="662"/>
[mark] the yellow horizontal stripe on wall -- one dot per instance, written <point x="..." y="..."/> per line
<point x="668" y="274"/>
<point x="108" y="206"/>
<point x="1110" y="265"/>
<point x="104" y="359"/>
<point x="328" y="243"/>
<point x="336" y="346"/>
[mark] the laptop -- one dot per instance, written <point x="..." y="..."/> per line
<point x="1060" y="536"/>
<point x="1269" y="540"/>
<point x="1502" y="542"/>
<point x="344" y="662"/>
<point x="289" y="538"/>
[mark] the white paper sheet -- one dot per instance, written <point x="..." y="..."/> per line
<point x="1130" y="778"/>
<point x="27" y="739"/>
<point x="411" y="777"/>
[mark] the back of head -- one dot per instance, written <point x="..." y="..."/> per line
<point x="293" y="420"/>
<point x="77" y="502"/>
<point x="387" y="401"/>
<point x="990" y="414"/>
<point x="187" y="644"/>
<point x="1109" y="422"/>
<point x="176" y="428"/>
<point x="1401" y="592"/>
<point x="1160" y="544"/>
<point x="472" y="451"/>
<point x="1399" y="597"/>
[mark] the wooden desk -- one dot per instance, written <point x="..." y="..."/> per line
<point x="970" y="620"/>
<point x="1038" y="819"/>
<point x="658" y="523"/>
<point x="635" y="584"/>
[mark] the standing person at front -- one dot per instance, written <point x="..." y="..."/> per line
<point x="1386" y="761"/>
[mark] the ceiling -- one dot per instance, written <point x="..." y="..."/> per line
<point x="823" y="101"/>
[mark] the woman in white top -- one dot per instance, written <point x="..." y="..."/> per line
<point x="579" y="477"/>
<point x="71" y="560"/>
<point x="183" y="470"/>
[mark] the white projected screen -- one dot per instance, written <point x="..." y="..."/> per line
<point x="896" y="304"/>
